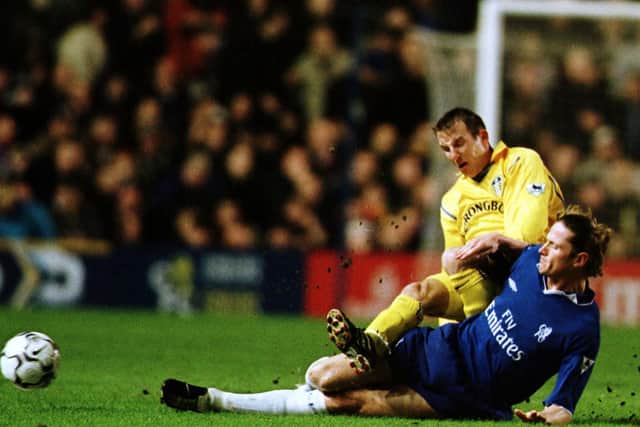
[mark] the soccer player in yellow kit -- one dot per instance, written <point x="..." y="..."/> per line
<point x="503" y="189"/>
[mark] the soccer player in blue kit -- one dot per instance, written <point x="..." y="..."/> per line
<point x="544" y="322"/>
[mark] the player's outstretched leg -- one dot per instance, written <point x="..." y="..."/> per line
<point x="351" y="340"/>
<point x="186" y="397"/>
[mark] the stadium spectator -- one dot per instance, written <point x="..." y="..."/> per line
<point x="191" y="228"/>
<point x="606" y="182"/>
<point x="156" y="151"/>
<point x="631" y="114"/>
<point x="193" y="34"/>
<point x="325" y="143"/>
<point x="73" y="211"/>
<point x="7" y="133"/>
<point x="385" y="142"/>
<point x="407" y="171"/>
<point x="407" y="92"/>
<point x="70" y="158"/>
<point x="232" y="228"/>
<point x="191" y="193"/>
<point x="103" y="138"/>
<point x="136" y="37"/>
<point x="208" y="126"/>
<point x="364" y="168"/>
<point x="563" y="164"/>
<point x="168" y="90"/>
<point x="116" y="95"/>
<point x="479" y="368"/>
<point x="21" y="215"/>
<point x="335" y="14"/>
<point x="322" y="64"/>
<point x="82" y="49"/>
<point x="525" y="97"/>
<point x="259" y="36"/>
<point x="373" y="72"/>
<point x="109" y="178"/>
<point x="367" y="203"/>
<point x="241" y="180"/>
<point x="580" y="99"/>
<point x="131" y="215"/>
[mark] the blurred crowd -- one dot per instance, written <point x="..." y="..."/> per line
<point x="261" y="124"/>
<point x="577" y="102"/>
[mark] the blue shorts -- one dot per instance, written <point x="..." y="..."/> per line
<point x="429" y="361"/>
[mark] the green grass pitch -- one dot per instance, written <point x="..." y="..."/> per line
<point x="114" y="361"/>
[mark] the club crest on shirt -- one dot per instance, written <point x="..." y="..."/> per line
<point x="536" y="188"/>
<point x="586" y="364"/>
<point x="512" y="285"/>
<point x="497" y="185"/>
<point x="543" y="332"/>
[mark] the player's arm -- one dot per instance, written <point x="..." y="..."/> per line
<point x="482" y="249"/>
<point x="552" y="414"/>
<point x="453" y="238"/>
<point x="573" y="375"/>
<point x="528" y="197"/>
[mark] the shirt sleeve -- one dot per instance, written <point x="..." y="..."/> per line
<point x="575" y="371"/>
<point x="529" y="196"/>
<point x="453" y="238"/>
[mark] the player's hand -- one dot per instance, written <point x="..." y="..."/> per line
<point x="532" y="416"/>
<point x="552" y="414"/>
<point x="478" y="248"/>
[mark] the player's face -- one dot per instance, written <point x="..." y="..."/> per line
<point x="556" y="257"/>
<point x="467" y="153"/>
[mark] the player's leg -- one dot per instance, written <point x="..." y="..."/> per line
<point x="188" y="397"/>
<point x="434" y="296"/>
<point x="412" y="370"/>
<point x="474" y="290"/>
<point x="327" y="374"/>
<point x="400" y="401"/>
<point x="336" y="373"/>
<point x="397" y="401"/>
<point x="309" y="381"/>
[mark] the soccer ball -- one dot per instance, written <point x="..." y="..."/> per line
<point x="30" y="360"/>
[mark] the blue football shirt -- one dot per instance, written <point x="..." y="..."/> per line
<point x="482" y="366"/>
<point x="528" y="334"/>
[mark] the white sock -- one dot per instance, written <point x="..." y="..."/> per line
<point x="296" y="401"/>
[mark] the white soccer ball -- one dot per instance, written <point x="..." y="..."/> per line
<point x="30" y="360"/>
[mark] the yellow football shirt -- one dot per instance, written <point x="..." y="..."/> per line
<point x="517" y="197"/>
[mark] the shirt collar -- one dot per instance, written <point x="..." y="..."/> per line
<point x="500" y="150"/>
<point x="585" y="298"/>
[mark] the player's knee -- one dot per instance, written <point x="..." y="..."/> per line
<point x="432" y="295"/>
<point x="320" y="375"/>
<point x="414" y="290"/>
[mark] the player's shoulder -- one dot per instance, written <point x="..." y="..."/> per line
<point x="526" y="152"/>
<point x="529" y="254"/>
<point x="452" y="195"/>
<point x="532" y="251"/>
<point x="586" y="326"/>
<point x="523" y="155"/>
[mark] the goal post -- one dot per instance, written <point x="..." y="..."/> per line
<point x="491" y="33"/>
